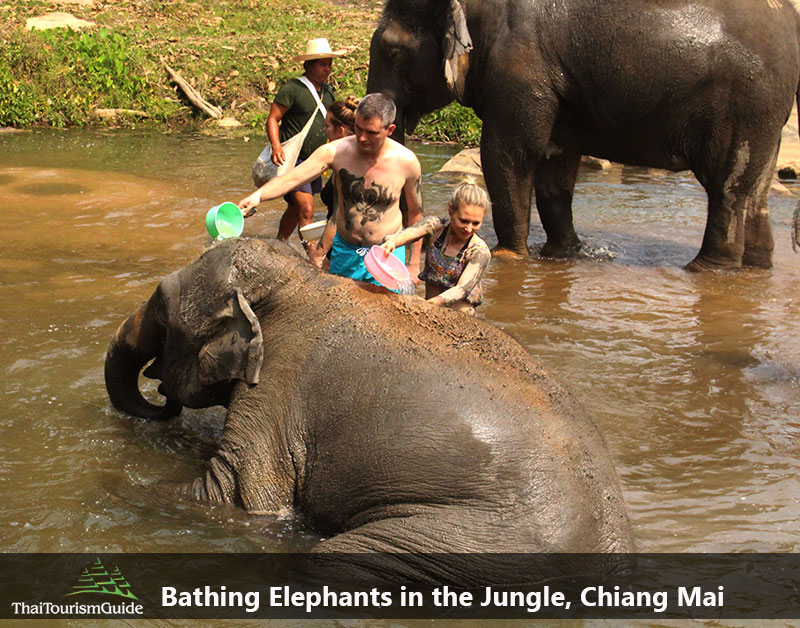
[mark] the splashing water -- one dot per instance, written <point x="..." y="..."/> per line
<point x="406" y="286"/>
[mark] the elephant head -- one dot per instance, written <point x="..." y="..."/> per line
<point x="200" y="330"/>
<point x="419" y="57"/>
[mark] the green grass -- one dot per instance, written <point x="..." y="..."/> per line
<point x="236" y="53"/>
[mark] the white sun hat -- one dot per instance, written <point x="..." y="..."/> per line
<point x="319" y="49"/>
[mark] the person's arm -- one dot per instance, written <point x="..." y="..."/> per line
<point x="313" y="167"/>
<point x="428" y="226"/>
<point x="329" y="198"/>
<point x="477" y="262"/>
<point x="276" y="114"/>
<point x="325" y="242"/>
<point x="413" y="193"/>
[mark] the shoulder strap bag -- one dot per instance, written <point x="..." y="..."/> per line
<point x="264" y="169"/>
<point x="304" y="80"/>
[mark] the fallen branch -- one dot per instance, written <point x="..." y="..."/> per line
<point x="113" y="113"/>
<point x="191" y="93"/>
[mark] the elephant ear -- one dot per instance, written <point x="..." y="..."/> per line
<point x="236" y="351"/>
<point x="456" y="48"/>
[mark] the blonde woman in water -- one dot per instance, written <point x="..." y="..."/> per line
<point x="458" y="256"/>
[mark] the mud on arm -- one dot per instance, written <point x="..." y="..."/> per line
<point x="478" y="259"/>
<point x="431" y="226"/>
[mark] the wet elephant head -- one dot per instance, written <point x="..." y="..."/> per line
<point x="419" y="57"/>
<point x="202" y="336"/>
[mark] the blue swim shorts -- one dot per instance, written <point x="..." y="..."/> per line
<point x="347" y="260"/>
<point x="312" y="187"/>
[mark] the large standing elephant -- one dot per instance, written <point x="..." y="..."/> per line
<point x="704" y="85"/>
<point x="385" y="422"/>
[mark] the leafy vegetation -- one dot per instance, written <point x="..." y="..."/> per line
<point x="454" y="123"/>
<point x="236" y="53"/>
<point x="60" y="76"/>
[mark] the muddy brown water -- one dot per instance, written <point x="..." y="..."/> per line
<point x="693" y="379"/>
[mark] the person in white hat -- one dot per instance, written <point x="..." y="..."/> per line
<point x="291" y="109"/>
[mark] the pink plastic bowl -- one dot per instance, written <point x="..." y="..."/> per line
<point x="387" y="269"/>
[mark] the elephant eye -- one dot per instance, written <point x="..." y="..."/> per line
<point x="161" y="316"/>
<point x="398" y="57"/>
<point x="160" y="311"/>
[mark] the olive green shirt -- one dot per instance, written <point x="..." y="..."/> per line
<point x="301" y="104"/>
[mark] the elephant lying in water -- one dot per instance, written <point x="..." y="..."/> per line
<point x="385" y="422"/>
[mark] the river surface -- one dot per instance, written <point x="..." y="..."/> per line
<point x="694" y="379"/>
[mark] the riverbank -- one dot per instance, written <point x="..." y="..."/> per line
<point x="234" y="54"/>
<point x="112" y="70"/>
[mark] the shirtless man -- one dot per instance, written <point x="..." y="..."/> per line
<point x="371" y="171"/>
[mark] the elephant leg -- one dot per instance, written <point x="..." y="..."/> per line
<point x="447" y="544"/>
<point x="554" y="183"/>
<point x="509" y="181"/>
<point x="738" y="213"/>
<point x="256" y="483"/>
<point x="758" y="241"/>
<point x="421" y="528"/>
<point x="217" y="485"/>
<point x="409" y="547"/>
<point x="255" y="465"/>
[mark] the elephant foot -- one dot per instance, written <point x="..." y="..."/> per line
<point x="181" y="491"/>
<point x="560" y="251"/>
<point x="758" y="258"/>
<point x="702" y="264"/>
<point x="506" y="253"/>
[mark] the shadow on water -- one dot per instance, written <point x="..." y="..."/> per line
<point x="693" y="379"/>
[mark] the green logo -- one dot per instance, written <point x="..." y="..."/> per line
<point x="96" y="579"/>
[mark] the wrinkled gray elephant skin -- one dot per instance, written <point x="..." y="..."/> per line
<point x="705" y="86"/>
<point x="385" y="423"/>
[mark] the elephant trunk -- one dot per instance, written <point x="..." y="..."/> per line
<point x="378" y="81"/>
<point x="124" y="360"/>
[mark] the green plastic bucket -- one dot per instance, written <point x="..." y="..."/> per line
<point x="225" y="221"/>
